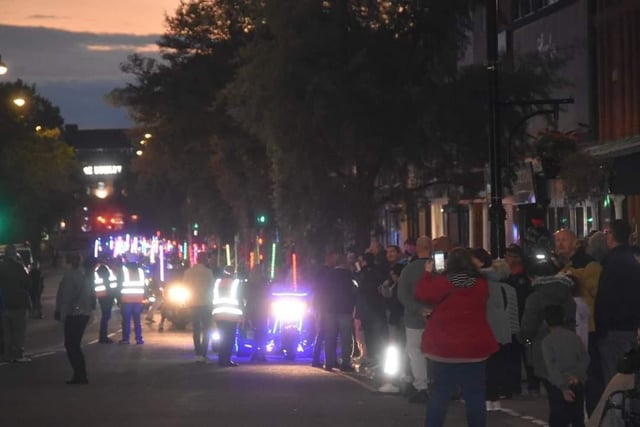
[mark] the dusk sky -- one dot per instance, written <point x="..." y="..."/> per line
<point x="71" y="50"/>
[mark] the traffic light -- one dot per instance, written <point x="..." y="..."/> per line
<point x="261" y="219"/>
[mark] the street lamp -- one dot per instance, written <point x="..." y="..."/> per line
<point x="3" y="67"/>
<point x="19" y="101"/>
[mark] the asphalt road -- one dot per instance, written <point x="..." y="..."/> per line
<point x="160" y="384"/>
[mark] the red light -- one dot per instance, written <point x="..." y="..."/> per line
<point x="260" y="241"/>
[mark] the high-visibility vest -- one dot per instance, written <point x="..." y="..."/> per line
<point x="103" y="289"/>
<point x="226" y="300"/>
<point x="132" y="288"/>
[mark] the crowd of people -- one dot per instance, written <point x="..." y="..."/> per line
<point x="554" y="322"/>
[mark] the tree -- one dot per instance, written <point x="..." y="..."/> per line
<point x="178" y="98"/>
<point x="36" y="166"/>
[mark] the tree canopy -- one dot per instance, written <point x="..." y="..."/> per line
<point x="316" y="110"/>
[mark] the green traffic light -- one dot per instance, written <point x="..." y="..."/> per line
<point x="262" y="219"/>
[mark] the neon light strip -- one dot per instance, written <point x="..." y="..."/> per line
<point x="294" y="261"/>
<point x="161" y="256"/>
<point x="228" y="248"/>
<point x="273" y="260"/>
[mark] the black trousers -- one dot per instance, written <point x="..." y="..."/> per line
<point x="227" y="331"/>
<point x="561" y="412"/>
<point x="74" y="327"/>
<point x="595" y="383"/>
<point x="496" y="378"/>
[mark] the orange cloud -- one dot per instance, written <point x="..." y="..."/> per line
<point x="124" y="47"/>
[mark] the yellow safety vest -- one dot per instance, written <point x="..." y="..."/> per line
<point x="132" y="290"/>
<point x="226" y="301"/>
<point x="101" y="287"/>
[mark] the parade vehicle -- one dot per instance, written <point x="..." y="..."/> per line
<point x="289" y="323"/>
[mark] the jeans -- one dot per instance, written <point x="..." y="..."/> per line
<point x="227" y="330"/>
<point x="106" y="305"/>
<point x="338" y="324"/>
<point x="131" y="310"/>
<point x="201" y="318"/>
<point x="417" y="360"/>
<point x="561" y="412"/>
<point x="14" y="328"/>
<point x="445" y="378"/>
<point x="612" y="348"/>
<point x="74" y="327"/>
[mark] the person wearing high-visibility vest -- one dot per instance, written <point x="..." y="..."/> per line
<point x="227" y="313"/>
<point x="199" y="280"/>
<point x="106" y="287"/>
<point x="131" y="297"/>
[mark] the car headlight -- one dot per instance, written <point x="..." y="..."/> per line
<point x="178" y="294"/>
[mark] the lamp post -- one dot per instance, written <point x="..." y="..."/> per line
<point x="497" y="214"/>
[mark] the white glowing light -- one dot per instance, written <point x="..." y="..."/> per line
<point x="102" y="170"/>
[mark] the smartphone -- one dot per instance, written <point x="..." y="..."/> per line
<point x="438" y="260"/>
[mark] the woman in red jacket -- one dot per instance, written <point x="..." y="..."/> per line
<point x="457" y="337"/>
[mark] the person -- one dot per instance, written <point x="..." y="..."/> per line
<point x="457" y="337"/>
<point x="321" y="286"/>
<point x="14" y="286"/>
<point x="414" y="320"/>
<point x="338" y="321"/>
<point x="131" y="297"/>
<point x="105" y="287"/>
<point x="227" y="313"/>
<point x="370" y="306"/>
<point x="549" y="288"/>
<point x="498" y="318"/>
<point x="74" y="305"/>
<point x="597" y="246"/>
<point x="35" y="291"/>
<point x="257" y="308"/>
<point x="517" y="355"/>
<point x="199" y="280"/>
<point x="410" y="249"/>
<point x="577" y="263"/>
<point x="616" y="313"/>
<point x="566" y="360"/>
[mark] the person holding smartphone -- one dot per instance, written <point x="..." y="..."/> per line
<point x="457" y="338"/>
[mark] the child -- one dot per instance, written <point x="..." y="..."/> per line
<point x="566" y="360"/>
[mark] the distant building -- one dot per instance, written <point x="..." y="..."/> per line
<point x="105" y="157"/>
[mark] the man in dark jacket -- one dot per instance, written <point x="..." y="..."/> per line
<point x="14" y="286"/>
<point x="321" y="290"/>
<point x="339" y="316"/>
<point x="371" y="308"/>
<point x="517" y="356"/>
<point x="616" y="313"/>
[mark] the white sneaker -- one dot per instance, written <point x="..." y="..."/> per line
<point x="497" y="406"/>
<point x="389" y="388"/>
<point x="491" y="405"/>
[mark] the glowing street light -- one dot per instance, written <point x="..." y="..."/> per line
<point x="20" y="102"/>
<point x="3" y="67"/>
<point x="139" y="153"/>
<point x="147" y="135"/>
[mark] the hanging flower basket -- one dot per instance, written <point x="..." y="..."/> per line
<point x="552" y="148"/>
